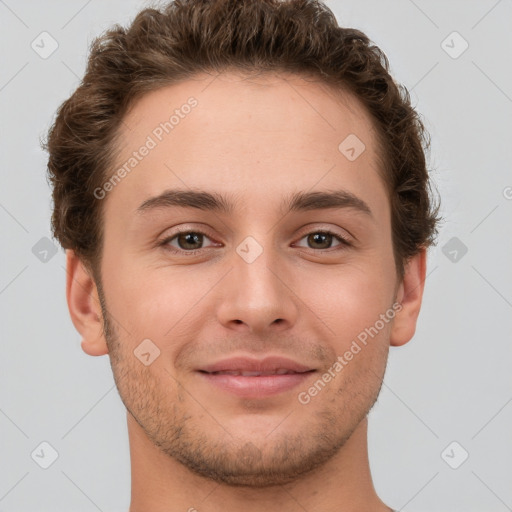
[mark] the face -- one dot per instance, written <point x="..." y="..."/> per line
<point x="202" y="284"/>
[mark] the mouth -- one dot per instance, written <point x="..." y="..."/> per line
<point x="256" y="379"/>
<point x="246" y="373"/>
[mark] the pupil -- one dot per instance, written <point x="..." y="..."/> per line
<point x="317" y="238"/>
<point x="190" y="238"/>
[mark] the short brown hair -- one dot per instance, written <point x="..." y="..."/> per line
<point x="188" y="37"/>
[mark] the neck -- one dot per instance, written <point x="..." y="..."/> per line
<point x="161" y="484"/>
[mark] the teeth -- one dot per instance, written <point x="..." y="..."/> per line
<point x="253" y="374"/>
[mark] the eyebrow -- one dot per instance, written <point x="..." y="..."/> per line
<point x="213" y="201"/>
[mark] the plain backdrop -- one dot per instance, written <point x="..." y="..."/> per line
<point x="440" y="434"/>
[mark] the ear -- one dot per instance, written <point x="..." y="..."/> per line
<point x="84" y="306"/>
<point x="409" y="295"/>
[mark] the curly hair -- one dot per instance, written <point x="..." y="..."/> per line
<point x="185" y="38"/>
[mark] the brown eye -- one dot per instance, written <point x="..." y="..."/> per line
<point x="189" y="240"/>
<point x="185" y="241"/>
<point x="323" y="240"/>
<point x="320" y="240"/>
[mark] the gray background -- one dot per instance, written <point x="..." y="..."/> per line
<point x="452" y="382"/>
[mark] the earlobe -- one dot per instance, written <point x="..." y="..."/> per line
<point x="410" y="294"/>
<point x="84" y="306"/>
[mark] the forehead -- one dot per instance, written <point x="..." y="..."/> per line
<point x="250" y="135"/>
<point x="259" y="105"/>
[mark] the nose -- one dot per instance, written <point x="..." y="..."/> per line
<point x="257" y="296"/>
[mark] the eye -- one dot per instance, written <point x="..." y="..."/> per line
<point x="322" y="240"/>
<point x="185" y="241"/>
<point x="191" y="241"/>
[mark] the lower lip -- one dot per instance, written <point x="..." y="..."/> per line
<point x="260" y="386"/>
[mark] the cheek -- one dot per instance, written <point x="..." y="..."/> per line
<point x="154" y="303"/>
<point x="348" y="299"/>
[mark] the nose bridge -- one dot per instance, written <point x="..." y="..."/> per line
<point x="256" y="294"/>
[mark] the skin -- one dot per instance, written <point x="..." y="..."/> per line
<point x="256" y="140"/>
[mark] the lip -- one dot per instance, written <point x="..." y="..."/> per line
<point x="260" y="386"/>
<point x="268" y="364"/>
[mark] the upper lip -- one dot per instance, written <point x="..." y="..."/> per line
<point x="268" y="364"/>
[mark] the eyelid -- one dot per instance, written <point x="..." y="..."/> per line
<point x="343" y="234"/>
<point x="178" y="231"/>
<point x="344" y="241"/>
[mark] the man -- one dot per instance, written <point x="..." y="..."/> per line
<point x="242" y="193"/>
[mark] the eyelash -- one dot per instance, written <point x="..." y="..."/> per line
<point x="344" y="243"/>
